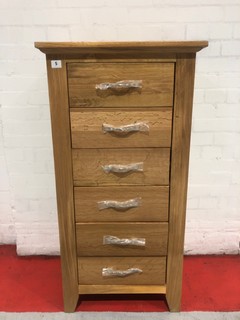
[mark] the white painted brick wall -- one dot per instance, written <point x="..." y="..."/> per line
<point x="27" y="190"/>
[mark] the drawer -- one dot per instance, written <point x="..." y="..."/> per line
<point x="147" y="270"/>
<point x="150" y="128"/>
<point x="90" y="238"/>
<point x="151" y="203"/>
<point x="88" y="166"/>
<point x="157" y="84"/>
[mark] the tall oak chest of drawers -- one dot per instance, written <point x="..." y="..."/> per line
<point x="121" y="122"/>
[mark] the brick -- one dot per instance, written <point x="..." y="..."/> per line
<point x="217" y="125"/>
<point x="230" y="48"/>
<point x="202" y="139"/>
<point x="21" y="35"/>
<point x="179" y="14"/>
<point x="19" y="52"/>
<point x="105" y="33"/>
<point x="195" y="152"/>
<point x="4" y="181"/>
<point x="5" y="208"/>
<point x="226" y="138"/>
<point x="202" y="190"/>
<point x="215" y="96"/>
<point x="106" y="16"/>
<point x="211" y="152"/>
<point x="148" y="32"/>
<point x="184" y="3"/>
<point x="37" y="238"/>
<point x="208" y="203"/>
<point x="22" y="113"/>
<point x="236" y="31"/>
<point x="198" y="97"/>
<point x="233" y="96"/>
<point x="219" y="65"/>
<point x="220" y="31"/>
<point x="197" y="31"/>
<point x="229" y="152"/>
<point x="232" y="13"/>
<point x="213" y="49"/>
<point x="83" y="4"/>
<point x="27" y="3"/>
<point x="58" y="33"/>
<point x="204" y="111"/>
<point x="7" y="233"/>
<point x="27" y="128"/>
<point x="39" y="141"/>
<point x="228" y="110"/>
<point x="80" y="32"/>
<point x="22" y="83"/>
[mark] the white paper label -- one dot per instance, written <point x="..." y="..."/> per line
<point x="56" y="64"/>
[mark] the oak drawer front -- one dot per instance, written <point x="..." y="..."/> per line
<point x="143" y="270"/>
<point x="94" y="167"/>
<point x="124" y="203"/>
<point x="157" y="84"/>
<point x="120" y="128"/>
<point x="90" y="237"/>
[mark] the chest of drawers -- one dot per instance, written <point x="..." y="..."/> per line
<point x="121" y="123"/>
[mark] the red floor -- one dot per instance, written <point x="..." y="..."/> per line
<point x="210" y="283"/>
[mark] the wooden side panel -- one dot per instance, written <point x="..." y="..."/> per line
<point x="185" y="67"/>
<point x="87" y="128"/>
<point x="57" y="81"/>
<point x="88" y="163"/>
<point x="153" y="206"/>
<point x="153" y="270"/>
<point x="90" y="239"/>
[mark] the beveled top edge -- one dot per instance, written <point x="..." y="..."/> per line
<point x="79" y="47"/>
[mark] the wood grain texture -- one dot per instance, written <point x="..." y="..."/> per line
<point x="128" y="48"/>
<point x="87" y="132"/>
<point x="87" y="166"/>
<point x="157" y="84"/>
<point x="154" y="203"/>
<point x="118" y="289"/>
<point x="179" y="176"/>
<point x="153" y="270"/>
<point x="90" y="239"/>
<point x="57" y="81"/>
<point x="88" y="171"/>
<point x="156" y="64"/>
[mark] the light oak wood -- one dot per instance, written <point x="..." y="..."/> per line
<point x="153" y="270"/>
<point x="90" y="239"/>
<point x="154" y="203"/>
<point x="118" y="289"/>
<point x="167" y="72"/>
<point x="179" y="176"/>
<point x="57" y="82"/>
<point x="88" y="171"/>
<point x="108" y="48"/>
<point x="87" y="131"/>
<point x="157" y="84"/>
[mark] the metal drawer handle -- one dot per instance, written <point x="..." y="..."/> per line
<point x="139" y="242"/>
<point x="120" y="85"/>
<point x="133" y="127"/>
<point x="120" y="205"/>
<point x="121" y="168"/>
<point x="110" y="272"/>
